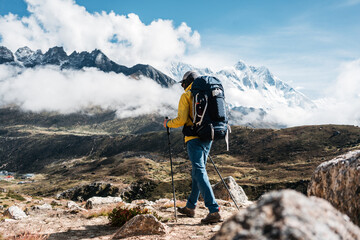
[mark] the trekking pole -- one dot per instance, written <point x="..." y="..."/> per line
<point x="172" y="175"/>
<point x="224" y="183"/>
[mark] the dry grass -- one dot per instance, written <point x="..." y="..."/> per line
<point x="29" y="236"/>
<point x="257" y="157"/>
<point x="101" y="212"/>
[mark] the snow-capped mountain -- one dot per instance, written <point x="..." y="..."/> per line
<point x="247" y="80"/>
<point x="25" y="57"/>
<point x="251" y="92"/>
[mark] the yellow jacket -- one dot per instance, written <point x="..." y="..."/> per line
<point x="184" y="110"/>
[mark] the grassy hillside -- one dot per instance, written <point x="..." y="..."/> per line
<point x="81" y="150"/>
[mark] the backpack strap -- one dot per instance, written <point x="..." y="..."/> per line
<point x="195" y="112"/>
<point x="227" y="137"/>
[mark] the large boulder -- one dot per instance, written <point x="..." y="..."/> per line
<point x="338" y="181"/>
<point x="141" y="225"/>
<point x="100" y="201"/>
<point x="237" y="192"/>
<point x="138" y="190"/>
<point x="288" y="214"/>
<point x="86" y="191"/>
<point x="15" y="213"/>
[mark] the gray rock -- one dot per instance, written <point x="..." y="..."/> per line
<point x="72" y="205"/>
<point x="99" y="201"/>
<point x="141" y="225"/>
<point x="143" y="202"/>
<point x="288" y="214"/>
<point x="15" y="213"/>
<point x="237" y="192"/>
<point x="44" y="207"/>
<point x="338" y="181"/>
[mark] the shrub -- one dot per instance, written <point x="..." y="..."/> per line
<point x="120" y="215"/>
<point x="14" y="195"/>
<point x="102" y="212"/>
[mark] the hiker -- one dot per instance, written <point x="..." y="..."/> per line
<point x="198" y="151"/>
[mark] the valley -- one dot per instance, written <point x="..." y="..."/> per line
<point x="70" y="150"/>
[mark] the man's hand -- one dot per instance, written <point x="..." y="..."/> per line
<point x="165" y="122"/>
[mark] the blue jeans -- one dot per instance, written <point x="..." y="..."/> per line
<point x="198" y="151"/>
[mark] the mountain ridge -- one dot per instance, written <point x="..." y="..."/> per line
<point x="245" y="78"/>
<point x="27" y="58"/>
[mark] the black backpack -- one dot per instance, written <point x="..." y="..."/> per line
<point x="210" y="115"/>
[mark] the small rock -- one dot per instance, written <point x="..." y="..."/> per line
<point x="8" y="220"/>
<point x="142" y="202"/>
<point x="72" y="205"/>
<point x="129" y="205"/>
<point x="141" y="225"/>
<point x="216" y="228"/>
<point x="44" y="207"/>
<point x="237" y="192"/>
<point x="162" y="200"/>
<point x="99" y="201"/>
<point x="15" y="213"/>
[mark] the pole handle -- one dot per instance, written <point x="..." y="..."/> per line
<point x="167" y="128"/>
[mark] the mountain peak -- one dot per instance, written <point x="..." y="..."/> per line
<point x="23" y="53"/>
<point x="241" y="65"/>
<point x="6" y="55"/>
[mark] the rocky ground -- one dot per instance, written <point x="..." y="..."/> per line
<point x="284" y="214"/>
<point x="49" y="219"/>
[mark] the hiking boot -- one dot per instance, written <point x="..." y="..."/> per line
<point x="212" y="218"/>
<point x="187" y="211"/>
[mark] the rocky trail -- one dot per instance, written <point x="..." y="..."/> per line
<point x="284" y="214"/>
<point x="69" y="221"/>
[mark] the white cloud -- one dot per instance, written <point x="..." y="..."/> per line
<point x="125" y="39"/>
<point x="340" y="106"/>
<point x="349" y="3"/>
<point x="48" y="89"/>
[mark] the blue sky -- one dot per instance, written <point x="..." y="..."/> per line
<point x="303" y="42"/>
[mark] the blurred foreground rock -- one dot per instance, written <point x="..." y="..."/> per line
<point x="338" y="181"/>
<point x="237" y="192"/>
<point x="288" y="214"/>
<point x="141" y="225"/>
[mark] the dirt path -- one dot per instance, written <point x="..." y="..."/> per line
<point x="62" y="223"/>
